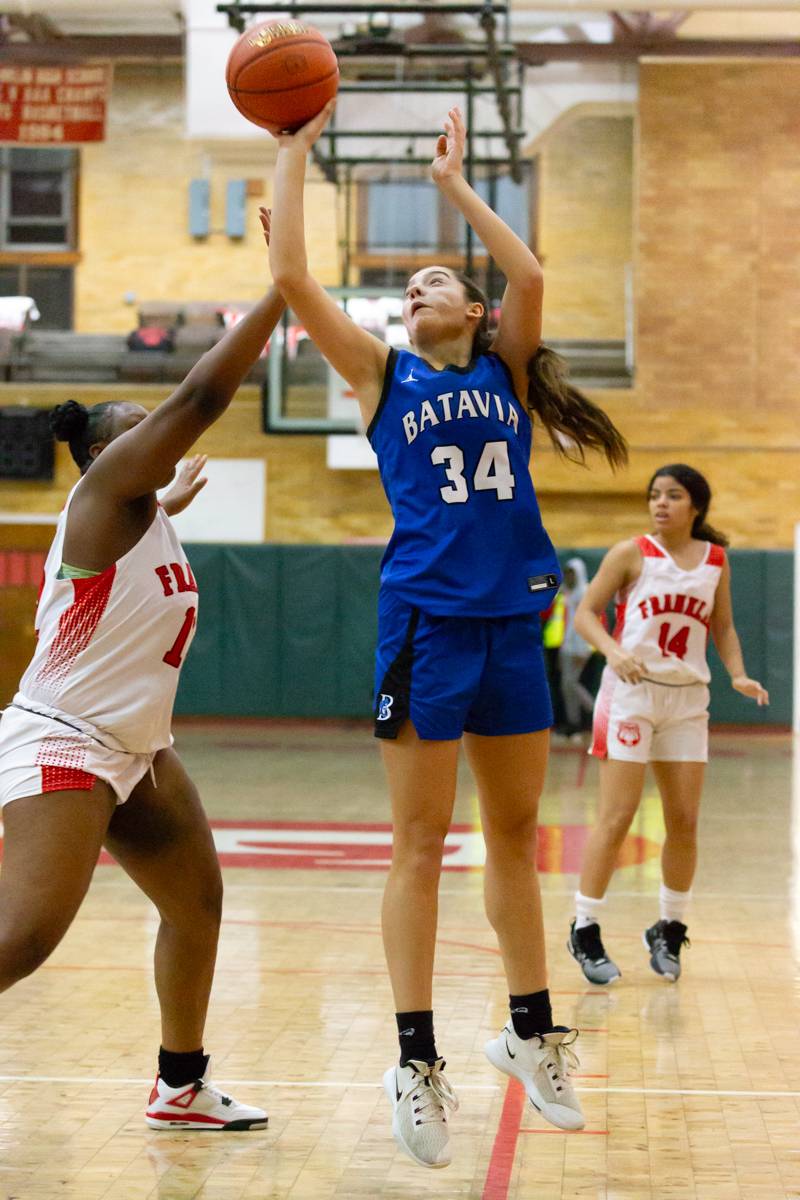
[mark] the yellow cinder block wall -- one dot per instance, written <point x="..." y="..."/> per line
<point x="717" y="241"/>
<point x="134" y="209"/>
<point x="585" y="228"/>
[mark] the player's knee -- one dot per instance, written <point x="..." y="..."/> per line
<point x="420" y="850"/>
<point x="617" y="822"/>
<point x="517" y="836"/>
<point x="204" y="913"/>
<point x="683" y="825"/>
<point x="23" y="952"/>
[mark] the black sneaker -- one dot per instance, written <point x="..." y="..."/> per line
<point x="664" y="941"/>
<point x="586" y="947"/>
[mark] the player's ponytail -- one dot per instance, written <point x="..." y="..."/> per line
<point x="82" y="427"/>
<point x="700" y="493"/>
<point x="573" y="422"/>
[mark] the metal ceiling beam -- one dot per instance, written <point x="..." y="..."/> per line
<point x="293" y="8"/>
<point x="410" y="134"/>
<point x="419" y="85"/>
<point x="423" y="50"/>
<point x="537" y="54"/>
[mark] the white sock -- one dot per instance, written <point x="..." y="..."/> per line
<point x="673" y="905"/>
<point x="586" y="910"/>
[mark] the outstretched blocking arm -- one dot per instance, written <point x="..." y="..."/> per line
<point x="727" y="642"/>
<point x="520" y="330"/>
<point x="359" y="357"/>
<point x="136" y="462"/>
<point x="620" y="567"/>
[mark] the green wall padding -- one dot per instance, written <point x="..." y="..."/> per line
<point x="289" y="631"/>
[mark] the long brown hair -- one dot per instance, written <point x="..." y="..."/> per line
<point x="573" y="422"/>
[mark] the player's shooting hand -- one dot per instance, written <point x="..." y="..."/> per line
<point x="450" y="148"/>
<point x="304" y="137"/>
<point x="751" y="688"/>
<point x="628" y="667"/>
<point x="189" y="482"/>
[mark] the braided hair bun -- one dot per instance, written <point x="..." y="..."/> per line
<point x="69" y="420"/>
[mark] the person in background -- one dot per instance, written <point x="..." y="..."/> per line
<point x="574" y="651"/>
<point x="552" y="638"/>
<point x="672" y="589"/>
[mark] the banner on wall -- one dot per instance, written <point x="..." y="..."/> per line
<point x="54" y="106"/>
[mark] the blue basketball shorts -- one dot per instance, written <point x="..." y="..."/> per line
<point x="454" y="675"/>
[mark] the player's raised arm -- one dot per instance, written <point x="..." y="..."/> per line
<point x="134" y="463"/>
<point x="520" y="329"/>
<point x="359" y="357"/>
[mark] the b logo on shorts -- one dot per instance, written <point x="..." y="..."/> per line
<point x="384" y="707"/>
<point x="629" y="733"/>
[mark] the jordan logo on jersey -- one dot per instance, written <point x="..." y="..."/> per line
<point x="689" y="606"/>
<point x="410" y="377"/>
<point x="176" y="578"/>
<point x="384" y="707"/>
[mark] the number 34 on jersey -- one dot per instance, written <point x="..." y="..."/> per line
<point x="492" y="474"/>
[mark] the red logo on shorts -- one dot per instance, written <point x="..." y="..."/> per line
<point x="629" y="733"/>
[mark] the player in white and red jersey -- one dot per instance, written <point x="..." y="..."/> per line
<point x="672" y="588"/>
<point x="86" y="756"/>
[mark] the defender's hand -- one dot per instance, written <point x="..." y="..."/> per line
<point x="187" y="485"/>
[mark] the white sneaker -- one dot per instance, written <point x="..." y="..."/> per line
<point x="199" y="1105"/>
<point x="541" y="1063"/>
<point x="419" y="1095"/>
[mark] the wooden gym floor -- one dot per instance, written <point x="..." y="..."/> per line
<point x="690" y="1091"/>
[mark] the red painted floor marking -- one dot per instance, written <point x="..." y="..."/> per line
<point x="501" y="1164"/>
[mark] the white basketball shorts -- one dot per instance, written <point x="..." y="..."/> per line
<point x="646" y="722"/>
<point x="39" y="755"/>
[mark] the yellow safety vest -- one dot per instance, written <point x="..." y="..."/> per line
<point x="554" y="629"/>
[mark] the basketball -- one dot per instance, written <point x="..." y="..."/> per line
<point x="281" y="73"/>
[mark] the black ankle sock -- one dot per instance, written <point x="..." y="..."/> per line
<point x="178" y="1069"/>
<point x="531" y="1014"/>
<point x="415" y="1033"/>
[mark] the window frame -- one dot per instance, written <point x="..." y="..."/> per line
<point x="68" y="218"/>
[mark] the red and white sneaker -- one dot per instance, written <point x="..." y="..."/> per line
<point x="200" y="1105"/>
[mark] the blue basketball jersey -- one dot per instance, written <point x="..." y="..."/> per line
<point x="453" y="451"/>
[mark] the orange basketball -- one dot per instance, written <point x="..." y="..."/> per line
<point x="282" y="73"/>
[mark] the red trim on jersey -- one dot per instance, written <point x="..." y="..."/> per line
<point x="77" y="625"/>
<point x="649" y="548"/>
<point x="716" y="555"/>
<point x="66" y="779"/>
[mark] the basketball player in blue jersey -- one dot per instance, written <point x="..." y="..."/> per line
<point x="468" y="569"/>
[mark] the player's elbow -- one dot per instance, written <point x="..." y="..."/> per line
<point x="290" y="278"/>
<point x="528" y="277"/>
